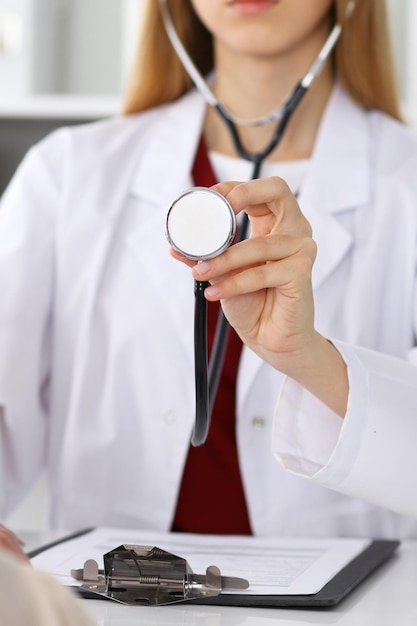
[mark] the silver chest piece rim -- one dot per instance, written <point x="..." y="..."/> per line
<point x="200" y="224"/>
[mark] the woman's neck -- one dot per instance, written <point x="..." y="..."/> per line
<point x="252" y="88"/>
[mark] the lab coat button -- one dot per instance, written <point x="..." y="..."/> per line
<point x="169" y="417"/>
<point x="258" y="422"/>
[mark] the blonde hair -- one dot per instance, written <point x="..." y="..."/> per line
<point x="363" y="59"/>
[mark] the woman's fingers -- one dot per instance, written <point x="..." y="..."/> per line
<point x="258" y="263"/>
<point x="272" y="210"/>
<point x="270" y="204"/>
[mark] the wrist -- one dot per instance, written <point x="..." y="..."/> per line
<point x="319" y="367"/>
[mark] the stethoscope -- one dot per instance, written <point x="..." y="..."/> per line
<point x="200" y="224"/>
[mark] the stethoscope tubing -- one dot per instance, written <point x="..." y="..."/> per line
<point x="202" y="393"/>
<point x="258" y="157"/>
<point x="208" y="372"/>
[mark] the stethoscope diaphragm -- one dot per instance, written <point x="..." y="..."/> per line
<point x="200" y="224"/>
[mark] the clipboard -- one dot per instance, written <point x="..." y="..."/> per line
<point x="345" y="581"/>
<point x="337" y="587"/>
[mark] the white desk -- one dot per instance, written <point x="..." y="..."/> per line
<point x="387" y="598"/>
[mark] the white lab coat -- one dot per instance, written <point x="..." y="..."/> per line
<point x="96" y="319"/>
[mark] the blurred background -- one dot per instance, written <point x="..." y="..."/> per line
<point x="61" y="62"/>
<point x="66" y="61"/>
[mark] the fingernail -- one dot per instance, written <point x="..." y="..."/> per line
<point x="202" y="267"/>
<point x="211" y="291"/>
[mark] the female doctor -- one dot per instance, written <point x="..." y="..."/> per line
<point x="96" y="319"/>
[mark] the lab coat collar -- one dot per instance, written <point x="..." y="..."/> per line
<point x="339" y="176"/>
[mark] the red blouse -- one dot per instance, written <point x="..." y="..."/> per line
<point x="211" y="497"/>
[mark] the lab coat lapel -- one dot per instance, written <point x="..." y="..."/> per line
<point x="163" y="174"/>
<point x="338" y="180"/>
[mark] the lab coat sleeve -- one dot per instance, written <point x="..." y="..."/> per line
<point x="371" y="453"/>
<point x="26" y="275"/>
<point x="30" y="596"/>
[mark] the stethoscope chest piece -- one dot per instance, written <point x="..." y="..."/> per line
<point x="200" y="224"/>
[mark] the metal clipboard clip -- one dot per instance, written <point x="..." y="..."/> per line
<point x="150" y="576"/>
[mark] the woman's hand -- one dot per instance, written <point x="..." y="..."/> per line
<point x="264" y="284"/>
<point x="10" y="542"/>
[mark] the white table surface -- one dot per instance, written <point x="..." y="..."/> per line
<point x="387" y="598"/>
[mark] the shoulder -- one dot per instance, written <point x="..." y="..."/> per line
<point x="389" y="145"/>
<point x="119" y="135"/>
<point x="394" y="145"/>
<point x="113" y="147"/>
<point x="104" y="155"/>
